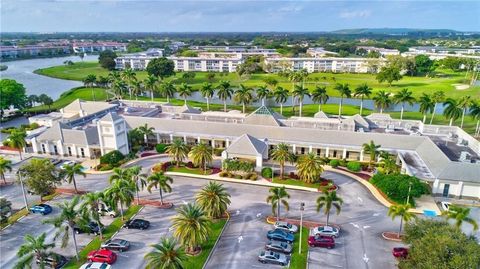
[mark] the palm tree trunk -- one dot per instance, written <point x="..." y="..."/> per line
<point x="74" y="184"/>
<point x="278" y="209"/>
<point x="243" y="107"/>
<point x="361" y="106"/>
<point x="301" y="106"/>
<point x="463" y="117"/>
<point x="401" y="224"/>
<point x="281" y="108"/>
<point x="328" y="216"/>
<point x="293" y="105"/>
<point x="161" y="196"/>
<point x="477" y="129"/>
<point x="20" y="152"/>
<point x="401" y="112"/>
<point x="168" y="99"/>
<point x="340" y="108"/>
<point x="224" y="105"/>
<point x="208" y="104"/>
<point x="424" y="117"/>
<point x="151" y="93"/>
<point x="75" y="244"/>
<point x="433" y="113"/>
<point x="185" y="100"/>
<point x="138" y="195"/>
<point x="5" y="181"/>
<point x="451" y="122"/>
<point x="121" y="210"/>
<point x="381" y="110"/>
<point x="282" y="168"/>
<point x="99" y="227"/>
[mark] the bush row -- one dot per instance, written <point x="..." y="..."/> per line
<point x="250" y="176"/>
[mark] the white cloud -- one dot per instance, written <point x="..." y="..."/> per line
<point x="355" y="14"/>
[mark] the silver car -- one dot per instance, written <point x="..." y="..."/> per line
<point x="273" y="257"/>
<point x="283" y="225"/>
<point x="116" y="244"/>
<point x="326" y="230"/>
<point x="279" y="246"/>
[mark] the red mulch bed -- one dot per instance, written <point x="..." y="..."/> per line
<point x="7" y="148"/>
<point x="359" y="174"/>
<point x="308" y="224"/>
<point x="2" y="184"/>
<point x="155" y="203"/>
<point x="392" y="236"/>
<point x="69" y="191"/>
<point x="146" y="154"/>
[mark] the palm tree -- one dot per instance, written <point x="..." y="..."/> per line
<point x="475" y="113"/>
<point x="263" y="92"/>
<point x="91" y="207"/>
<point x="89" y="81"/>
<point x="281" y="96"/>
<point x="137" y="88"/>
<point x="281" y="153"/>
<point x="5" y="166"/>
<point x="309" y="167"/>
<point x="327" y="200"/>
<point x="427" y="105"/>
<point x="453" y="110"/>
<point x="161" y="182"/>
<point x="372" y="149"/>
<point x="362" y="91"/>
<point x="402" y="211"/>
<point x="294" y="77"/>
<point x="437" y="97"/>
<point x="460" y="214"/>
<point x="382" y="100"/>
<point x="167" y="90"/>
<point x="146" y="132"/>
<point x="201" y="155"/>
<point x="177" y="150"/>
<point x="464" y="104"/>
<point x="192" y="226"/>
<point x="207" y="92"/>
<point x="344" y="91"/>
<point x="278" y="195"/>
<point x="129" y="76"/>
<point x="402" y="97"/>
<point x="184" y="90"/>
<point x="166" y="255"/>
<point x="119" y="87"/>
<point x="243" y="95"/>
<point x="65" y="221"/>
<point x="213" y="199"/>
<point x="121" y="192"/>
<point x="33" y="249"/>
<point x="300" y="92"/>
<point x="135" y="174"/>
<point x="320" y="96"/>
<point x="70" y="171"/>
<point x="151" y="84"/>
<point x="224" y="92"/>
<point x="17" y="141"/>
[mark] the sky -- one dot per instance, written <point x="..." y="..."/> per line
<point x="233" y="15"/>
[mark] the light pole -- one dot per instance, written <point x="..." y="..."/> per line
<point x="409" y="189"/>
<point x="302" y="207"/>
<point x="23" y="190"/>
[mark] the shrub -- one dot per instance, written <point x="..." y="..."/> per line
<point x="223" y="174"/>
<point x="342" y="162"/>
<point x="292" y="175"/>
<point x="396" y="186"/>
<point x="354" y="166"/>
<point x="112" y="158"/>
<point x="161" y="148"/>
<point x="238" y="177"/>
<point x="105" y="167"/>
<point x="238" y="165"/>
<point x="252" y="176"/>
<point x="334" y="163"/>
<point x="217" y="151"/>
<point x="189" y="165"/>
<point x="267" y="172"/>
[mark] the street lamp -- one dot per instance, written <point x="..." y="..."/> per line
<point x="23" y="190"/>
<point x="302" y="207"/>
<point x="409" y="189"/>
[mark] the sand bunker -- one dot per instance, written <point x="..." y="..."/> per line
<point x="461" y="86"/>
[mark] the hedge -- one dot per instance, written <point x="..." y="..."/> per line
<point x="396" y="186"/>
<point x="354" y="166"/>
<point x="161" y="148"/>
<point x="334" y="163"/>
<point x="267" y="172"/>
<point x="113" y="158"/>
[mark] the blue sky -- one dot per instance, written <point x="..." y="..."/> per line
<point x="233" y="15"/>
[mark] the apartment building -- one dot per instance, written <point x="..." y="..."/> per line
<point x="14" y="52"/>
<point x="138" y="61"/>
<point x="384" y="52"/>
<point x="319" y="52"/>
<point x="93" y="47"/>
<point x="326" y="64"/>
<point x="207" y="64"/>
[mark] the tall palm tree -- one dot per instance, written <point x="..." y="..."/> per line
<point x="135" y="174"/>
<point x="150" y="83"/>
<point x="159" y="181"/>
<point x="137" y="88"/>
<point x="191" y="226"/>
<point x="224" y="92"/>
<point x="402" y="211"/>
<point x="320" y="96"/>
<point x="129" y="76"/>
<point x="146" y="132"/>
<point x="281" y="96"/>
<point x="460" y="214"/>
<point x="33" y="249"/>
<point x="243" y="95"/>
<point x="309" y="167"/>
<point x="278" y="195"/>
<point x="437" y="97"/>
<point x="263" y="92"/>
<point x="464" y="104"/>
<point x="372" y="149"/>
<point x="344" y="91"/>
<point x="281" y="153"/>
<point x="427" y="105"/>
<point x="91" y="206"/>
<point x="453" y="110"/>
<point x="300" y="92"/>
<point x="5" y="166"/>
<point x="121" y="192"/>
<point x="382" y="100"/>
<point x="69" y="172"/>
<point x="166" y="255"/>
<point x="119" y="87"/>
<point x="184" y="90"/>
<point x="402" y="97"/>
<point x="167" y="90"/>
<point x="213" y="199"/>
<point x="207" y="92"/>
<point x="328" y="200"/>
<point x="65" y="221"/>
<point x="294" y="77"/>
<point x="89" y="81"/>
<point x="201" y="155"/>
<point x="363" y="91"/>
<point x="16" y="140"/>
<point x="178" y="150"/>
<point x="475" y="114"/>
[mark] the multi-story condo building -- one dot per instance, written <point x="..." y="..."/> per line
<point x="233" y="49"/>
<point x="137" y="61"/>
<point x="92" y="47"/>
<point x="384" y="52"/>
<point x="443" y="50"/>
<point x="207" y="64"/>
<point x="319" y="52"/>
<point x="13" y="52"/>
<point x="327" y="64"/>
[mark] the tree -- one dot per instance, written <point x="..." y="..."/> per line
<point x="278" y="195"/>
<point x="320" y="96"/>
<point x="344" y="91"/>
<point x="184" y="90"/>
<point x="102" y="81"/>
<point x="191" y="226"/>
<point x="161" y="67"/>
<point x="16" y="140"/>
<point x="460" y="214"/>
<point x="34" y="249"/>
<point x="382" y="100"/>
<point x="475" y="114"/>
<point x="402" y="211"/>
<point x="372" y="149"/>
<point x="263" y="92"/>
<point x="167" y="90"/>
<point x="437" y="97"/>
<point x="281" y="153"/>
<point x="213" y="199"/>
<point x="32" y="100"/>
<point x="224" y="92"/>
<point x="389" y="74"/>
<point x="12" y="94"/>
<point x="107" y="59"/>
<point x="201" y="155"/>
<point x="300" y="92"/>
<point x="402" y="97"/>
<point x="137" y="88"/>
<point x="40" y="176"/>
<point x="427" y="105"/>
<point x="5" y="166"/>
<point x="161" y="182"/>
<point x="135" y="174"/>
<point x="423" y="64"/>
<point x="281" y="95"/>
<point x="5" y="210"/>
<point x="362" y="91"/>
<point x="89" y="81"/>
<point x="453" y="110"/>
<point x="243" y="95"/>
<point x="166" y="255"/>
<point x="45" y="100"/>
<point x="146" y="132"/>
<point x="400" y="188"/>
<point x="151" y="84"/>
<point x="309" y="168"/>
<point x="178" y="150"/>
<point x="91" y="207"/>
<point x="69" y="171"/>
<point x="207" y="92"/>
<point x="464" y="103"/>
<point x="327" y="200"/>
<point x="121" y="192"/>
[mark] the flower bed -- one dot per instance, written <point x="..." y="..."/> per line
<point x="293" y="179"/>
<point x="248" y="176"/>
<point x="188" y="168"/>
<point x="146" y="154"/>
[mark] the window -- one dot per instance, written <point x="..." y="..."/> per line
<point x="55" y="150"/>
<point x="69" y="151"/>
<point x="43" y="148"/>
<point x="446" y="189"/>
<point x="82" y="152"/>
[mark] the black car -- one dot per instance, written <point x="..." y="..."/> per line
<point x="55" y="261"/>
<point x="91" y="228"/>
<point x="137" y="224"/>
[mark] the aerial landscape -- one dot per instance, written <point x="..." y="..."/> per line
<point x="239" y="134"/>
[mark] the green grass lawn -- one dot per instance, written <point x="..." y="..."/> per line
<point x="289" y="181"/>
<point x="299" y="261"/>
<point x="183" y="169"/>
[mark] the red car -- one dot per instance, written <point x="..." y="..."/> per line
<point x="400" y="252"/>
<point x="321" y="241"/>
<point x="102" y="255"/>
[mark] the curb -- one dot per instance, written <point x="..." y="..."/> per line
<point x="390" y="239"/>
<point x="133" y="216"/>
<point x="93" y="172"/>
<point x="216" y="242"/>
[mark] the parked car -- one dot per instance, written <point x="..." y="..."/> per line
<point x="106" y="210"/>
<point x="400" y="252"/>
<point x="280" y="235"/>
<point x="55" y="261"/>
<point x="91" y="228"/>
<point x="137" y="224"/>
<point x="116" y="244"/>
<point x="283" y="225"/>
<point x="273" y="257"/>
<point x="43" y="209"/>
<point x="326" y="230"/>
<point x="321" y="241"/>
<point x="102" y="255"/>
<point x="96" y="265"/>
<point x="64" y="164"/>
<point x="279" y="246"/>
<point x="445" y="205"/>
<point x="55" y="161"/>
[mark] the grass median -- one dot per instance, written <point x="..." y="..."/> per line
<point x="299" y="261"/>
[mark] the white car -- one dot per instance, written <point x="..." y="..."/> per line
<point x="96" y="265"/>
<point x="105" y="210"/>
<point x="326" y="230"/>
<point x="64" y="164"/>
<point x="283" y="225"/>
<point x="445" y="205"/>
